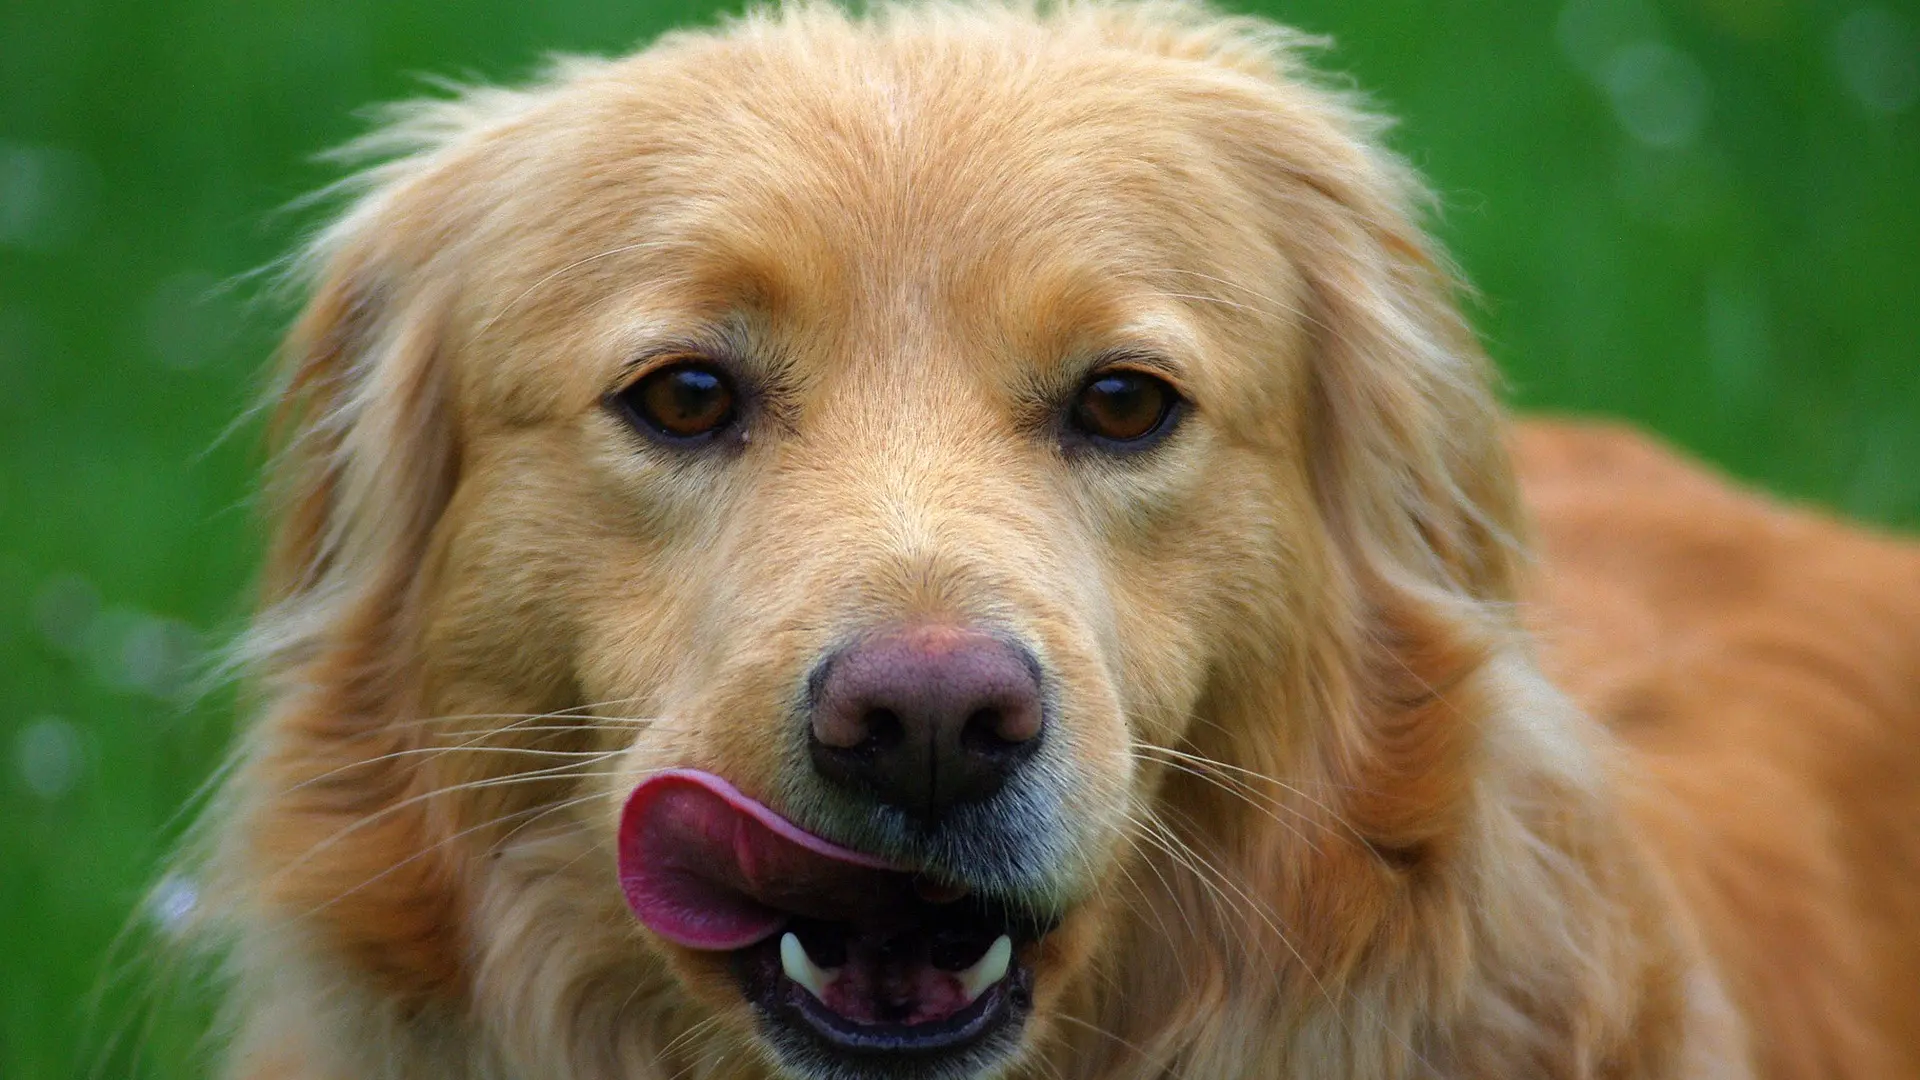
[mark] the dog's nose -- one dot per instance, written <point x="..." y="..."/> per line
<point x="926" y="717"/>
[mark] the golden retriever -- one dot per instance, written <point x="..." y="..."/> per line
<point x="973" y="541"/>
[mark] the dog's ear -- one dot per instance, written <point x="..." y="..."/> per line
<point x="1411" y="466"/>
<point x="366" y="450"/>
<point x="366" y="444"/>
<point x="1413" y="480"/>
<point x="327" y="826"/>
<point x="1409" y="460"/>
<point x="1406" y="439"/>
<point x="366" y="447"/>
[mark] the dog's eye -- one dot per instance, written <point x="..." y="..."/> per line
<point x="681" y="402"/>
<point x="1122" y="406"/>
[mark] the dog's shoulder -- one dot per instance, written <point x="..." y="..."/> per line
<point x="1665" y="561"/>
<point x="1761" y="662"/>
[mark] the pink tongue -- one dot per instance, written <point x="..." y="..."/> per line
<point x="706" y="867"/>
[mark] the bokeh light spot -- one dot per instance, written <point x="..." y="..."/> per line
<point x="133" y="650"/>
<point x="1878" y="54"/>
<point x="46" y="195"/>
<point x="48" y="755"/>
<point x="1659" y="93"/>
<point x="1590" y="32"/>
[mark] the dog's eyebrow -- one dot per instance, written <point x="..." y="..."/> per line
<point x="1147" y="357"/>
<point x="725" y="341"/>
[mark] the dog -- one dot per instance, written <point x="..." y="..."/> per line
<point x="974" y="541"/>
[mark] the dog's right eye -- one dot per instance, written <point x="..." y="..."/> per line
<point x="681" y="403"/>
<point x="1123" y="410"/>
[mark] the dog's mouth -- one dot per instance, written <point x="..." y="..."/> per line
<point x="850" y="961"/>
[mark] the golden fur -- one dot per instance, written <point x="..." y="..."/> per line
<point x="1331" y="817"/>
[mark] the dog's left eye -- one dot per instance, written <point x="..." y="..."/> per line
<point x="683" y="402"/>
<point x="1123" y="407"/>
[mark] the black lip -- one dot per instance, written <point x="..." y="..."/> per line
<point x="818" y="1041"/>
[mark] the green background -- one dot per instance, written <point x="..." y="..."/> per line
<point x="1702" y="215"/>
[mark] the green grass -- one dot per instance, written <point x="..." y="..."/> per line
<point x="1702" y="216"/>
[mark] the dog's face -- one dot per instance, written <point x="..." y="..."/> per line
<point x="878" y="454"/>
<point x="850" y="461"/>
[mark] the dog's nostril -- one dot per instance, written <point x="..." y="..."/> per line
<point x="986" y="732"/>
<point x="884" y="729"/>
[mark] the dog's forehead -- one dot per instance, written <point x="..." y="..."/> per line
<point x="1024" y="206"/>
<point x="886" y="182"/>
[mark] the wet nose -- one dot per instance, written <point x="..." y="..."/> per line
<point x="926" y="717"/>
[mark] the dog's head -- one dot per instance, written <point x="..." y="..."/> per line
<point x="836" y="543"/>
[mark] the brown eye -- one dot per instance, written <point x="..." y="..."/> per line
<point x="682" y="402"/>
<point x="1120" y="406"/>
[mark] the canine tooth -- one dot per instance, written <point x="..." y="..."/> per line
<point x="801" y="969"/>
<point x="989" y="969"/>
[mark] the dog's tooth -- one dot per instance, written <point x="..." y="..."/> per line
<point x="801" y="969"/>
<point x="989" y="969"/>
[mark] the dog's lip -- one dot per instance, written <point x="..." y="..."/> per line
<point x="707" y="867"/>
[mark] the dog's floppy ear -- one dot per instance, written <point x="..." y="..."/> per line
<point x="1412" y="476"/>
<point x="366" y="444"/>
<point x="1408" y="461"/>
<point x="1410" y="465"/>
<point x="365" y="440"/>
<point x="1414" y="481"/>
<point x="367" y="456"/>
<point x="1415" y="484"/>
<point x="366" y="448"/>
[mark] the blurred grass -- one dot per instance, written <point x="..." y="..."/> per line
<point x="1700" y="215"/>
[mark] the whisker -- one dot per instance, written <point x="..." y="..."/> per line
<point x="526" y="750"/>
<point x="437" y="751"/>
<point x="521" y="725"/>
<point x="1353" y="833"/>
<point x="1255" y="907"/>
<point x="693" y="1031"/>
<point x="1269" y="305"/>
<point x="1138" y="1050"/>
<point x="362" y="822"/>
<point x="563" y="805"/>
<point x="436" y="845"/>
<point x="1246" y="794"/>
<point x="1274" y="305"/>
<point x="583" y="709"/>
<point x="655" y="724"/>
<point x="1193" y="932"/>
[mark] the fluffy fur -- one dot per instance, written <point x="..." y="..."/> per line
<point x="1324" y="812"/>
